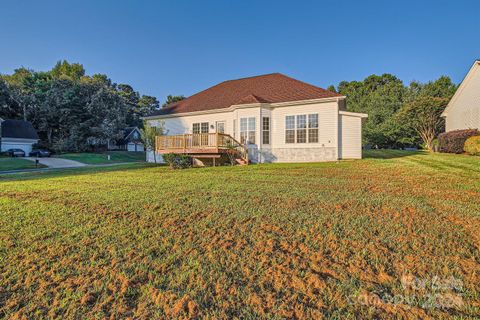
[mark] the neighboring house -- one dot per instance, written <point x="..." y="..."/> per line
<point x="463" y="110"/>
<point x="131" y="141"/>
<point x="17" y="134"/>
<point x="277" y="118"/>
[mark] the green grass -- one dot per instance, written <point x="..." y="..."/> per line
<point x="263" y="241"/>
<point x="102" y="158"/>
<point x="16" y="164"/>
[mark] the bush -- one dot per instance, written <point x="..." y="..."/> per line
<point x="178" y="161"/>
<point x="472" y="146"/>
<point x="453" y="141"/>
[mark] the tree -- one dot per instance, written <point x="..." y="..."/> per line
<point x="332" y="88"/>
<point x="72" y="71"/>
<point x="380" y="97"/>
<point x="172" y="99"/>
<point x="424" y="116"/>
<point x="149" y="134"/>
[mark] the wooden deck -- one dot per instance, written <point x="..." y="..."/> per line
<point x="201" y="145"/>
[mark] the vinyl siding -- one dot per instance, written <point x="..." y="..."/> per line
<point x="350" y="130"/>
<point x="326" y="149"/>
<point x="464" y="111"/>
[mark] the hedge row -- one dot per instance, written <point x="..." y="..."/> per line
<point x="454" y="141"/>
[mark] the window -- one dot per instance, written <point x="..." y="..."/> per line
<point x="247" y="130"/>
<point x="313" y="128"/>
<point x="301" y="128"/>
<point x="204" y="127"/>
<point x="200" y="127"/>
<point x="290" y="129"/>
<point x="266" y="130"/>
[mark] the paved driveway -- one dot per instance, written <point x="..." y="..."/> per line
<point x="58" y="162"/>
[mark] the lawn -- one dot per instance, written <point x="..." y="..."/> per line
<point x="393" y="236"/>
<point x="16" y="164"/>
<point x="102" y="158"/>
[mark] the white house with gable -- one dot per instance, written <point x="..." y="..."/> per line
<point x="463" y="110"/>
<point x="275" y="117"/>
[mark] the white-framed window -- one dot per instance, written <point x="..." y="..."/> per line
<point x="301" y="128"/>
<point x="313" y="128"/>
<point x="266" y="130"/>
<point x="290" y="129"/>
<point x="200" y="127"/>
<point x="247" y="130"/>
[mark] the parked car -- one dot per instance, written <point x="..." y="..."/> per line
<point x="15" y="153"/>
<point x="40" y="153"/>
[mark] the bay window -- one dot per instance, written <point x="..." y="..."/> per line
<point x="247" y="130"/>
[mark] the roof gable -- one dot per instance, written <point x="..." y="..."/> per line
<point x="18" y="129"/>
<point x="475" y="68"/>
<point x="269" y="88"/>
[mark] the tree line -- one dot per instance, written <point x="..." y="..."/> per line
<point x="76" y="112"/>
<point x="398" y="115"/>
<point x="71" y="110"/>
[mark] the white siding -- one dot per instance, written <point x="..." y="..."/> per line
<point x="326" y="149"/>
<point x="464" y="109"/>
<point x="350" y="130"/>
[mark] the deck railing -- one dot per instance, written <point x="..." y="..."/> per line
<point x="200" y="142"/>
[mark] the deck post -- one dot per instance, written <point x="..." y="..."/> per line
<point x="184" y="143"/>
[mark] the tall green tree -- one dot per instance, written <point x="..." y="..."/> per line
<point x="172" y="99"/>
<point x="423" y="116"/>
<point x="381" y="97"/>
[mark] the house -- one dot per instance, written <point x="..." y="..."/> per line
<point x="463" y="110"/>
<point x="131" y="141"/>
<point x="267" y="118"/>
<point x="17" y="134"/>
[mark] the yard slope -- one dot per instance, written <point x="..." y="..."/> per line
<point x="300" y="241"/>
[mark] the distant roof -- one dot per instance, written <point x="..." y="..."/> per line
<point x="18" y="129"/>
<point x="269" y="88"/>
<point x="128" y="130"/>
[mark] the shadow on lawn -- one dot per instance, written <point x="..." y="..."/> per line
<point x="38" y="175"/>
<point x="390" y="153"/>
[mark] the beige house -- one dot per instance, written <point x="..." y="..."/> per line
<point x="270" y="118"/>
<point x="463" y="110"/>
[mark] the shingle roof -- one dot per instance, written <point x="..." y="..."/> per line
<point x="269" y="88"/>
<point x="18" y="129"/>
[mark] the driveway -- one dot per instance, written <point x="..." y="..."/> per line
<point x="58" y="162"/>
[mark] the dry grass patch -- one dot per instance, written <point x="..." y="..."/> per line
<point x="331" y="240"/>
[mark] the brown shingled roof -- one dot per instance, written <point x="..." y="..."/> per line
<point x="269" y="88"/>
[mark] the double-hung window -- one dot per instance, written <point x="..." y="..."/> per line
<point x="290" y="129"/>
<point x="266" y="130"/>
<point x="313" y="128"/>
<point x="301" y="128"/>
<point x="247" y="130"/>
<point x="201" y="127"/>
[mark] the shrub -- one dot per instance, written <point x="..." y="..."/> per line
<point x="178" y="161"/>
<point x="453" y="141"/>
<point x="472" y="146"/>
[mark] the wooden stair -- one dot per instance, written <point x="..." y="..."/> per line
<point x="241" y="162"/>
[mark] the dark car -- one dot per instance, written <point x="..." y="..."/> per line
<point x="40" y="153"/>
<point x="15" y="153"/>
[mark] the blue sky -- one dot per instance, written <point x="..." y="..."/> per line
<point x="181" y="47"/>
